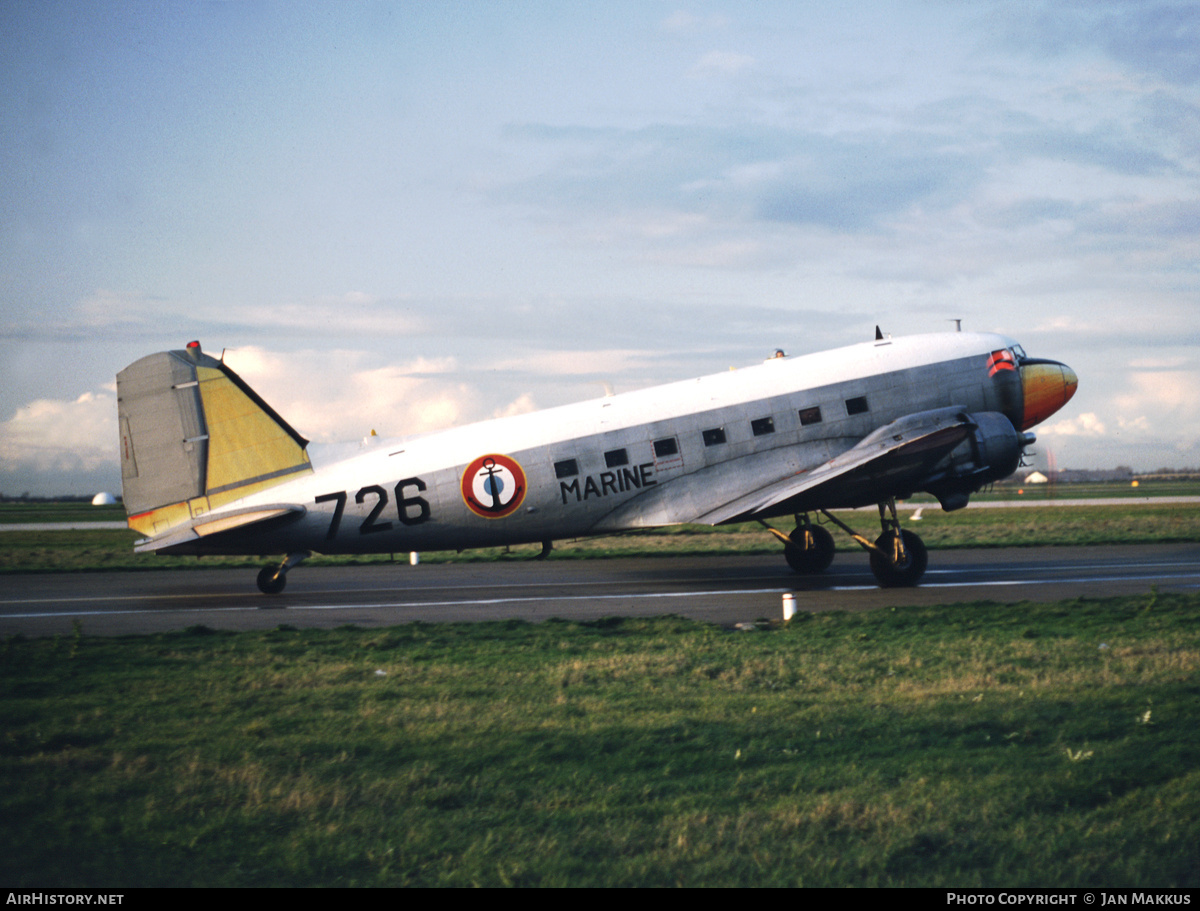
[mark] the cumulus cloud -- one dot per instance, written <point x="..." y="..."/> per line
<point x="60" y="437"/>
<point x="1152" y="411"/>
<point x="1170" y="396"/>
<point x="523" y="405"/>
<point x="1085" y="425"/>
<point x="328" y="396"/>
<point x="340" y="395"/>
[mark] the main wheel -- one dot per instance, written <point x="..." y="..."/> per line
<point x="909" y="571"/>
<point x="271" y="581"/>
<point x="813" y="559"/>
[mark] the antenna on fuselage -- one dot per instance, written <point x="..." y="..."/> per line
<point x="878" y="334"/>
<point x="957" y="324"/>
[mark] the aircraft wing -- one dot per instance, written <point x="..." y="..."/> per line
<point x="900" y="452"/>
<point x="891" y="458"/>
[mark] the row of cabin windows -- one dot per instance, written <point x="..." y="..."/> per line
<point x="856" y="405"/>
<point x="615" y="458"/>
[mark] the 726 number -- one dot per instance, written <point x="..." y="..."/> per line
<point x="410" y="510"/>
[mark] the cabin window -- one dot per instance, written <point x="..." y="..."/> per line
<point x="810" y="416"/>
<point x="763" y="426"/>
<point x="615" y="458"/>
<point x="664" y="448"/>
<point x="567" y="468"/>
<point x="714" y="437"/>
<point x="857" y="405"/>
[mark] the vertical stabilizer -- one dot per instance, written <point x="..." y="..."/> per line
<point x="194" y="437"/>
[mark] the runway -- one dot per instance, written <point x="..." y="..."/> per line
<point x="722" y="589"/>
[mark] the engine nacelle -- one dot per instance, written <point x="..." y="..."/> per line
<point x="991" y="452"/>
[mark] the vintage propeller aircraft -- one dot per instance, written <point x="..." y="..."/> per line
<point x="208" y="467"/>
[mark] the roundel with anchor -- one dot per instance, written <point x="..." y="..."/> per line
<point x="493" y="486"/>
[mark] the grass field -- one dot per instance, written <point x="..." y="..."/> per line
<point x="17" y="512"/>
<point x="1035" y="745"/>
<point x="971" y="745"/>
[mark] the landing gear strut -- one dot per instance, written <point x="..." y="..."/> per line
<point x="898" y="557"/>
<point x="808" y="549"/>
<point x="272" y="579"/>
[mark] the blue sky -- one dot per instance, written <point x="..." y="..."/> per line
<point x="404" y="216"/>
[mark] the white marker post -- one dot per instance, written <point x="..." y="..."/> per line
<point x="789" y="606"/>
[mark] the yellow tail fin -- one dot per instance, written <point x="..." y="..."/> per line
<point x="194" y="436"/>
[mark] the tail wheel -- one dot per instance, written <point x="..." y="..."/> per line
<point x="814" y="558"/>
<point x="271" y="580"/>
<point x="902" y="572"/>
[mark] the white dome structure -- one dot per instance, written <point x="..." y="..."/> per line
<point x="103" y="498"/>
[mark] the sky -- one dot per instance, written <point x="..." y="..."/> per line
<point x="411" y="215"/>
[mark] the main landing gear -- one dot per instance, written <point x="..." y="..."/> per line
<point x="272" y="579"/>
<point x="898" y="557"/>
<point x="808" y="549"/>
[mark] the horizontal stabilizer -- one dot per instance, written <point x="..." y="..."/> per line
<point x="218" y="523"/>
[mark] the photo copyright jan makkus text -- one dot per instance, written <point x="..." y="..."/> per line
<point x="1100" y="899"/>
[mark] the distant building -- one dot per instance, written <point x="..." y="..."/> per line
<point x="1082" y="476"/>
<point x="1122" y="474"/>
<point x="103" y="498"/>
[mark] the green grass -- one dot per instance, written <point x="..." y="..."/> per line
<point x="17" y="513"/>
<point x="975" y="745"/>
<point x="1085" y="491"/>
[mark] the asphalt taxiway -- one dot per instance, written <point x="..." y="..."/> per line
<point x="718" y="589"/>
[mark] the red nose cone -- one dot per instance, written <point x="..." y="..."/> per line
<point x="1047" y="386"/>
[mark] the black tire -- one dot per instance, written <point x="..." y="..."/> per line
<point x="810" y="560"/>
<point x="271" y="581"/>
<point x="908" y="573"/>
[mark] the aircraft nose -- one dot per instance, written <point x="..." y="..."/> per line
<point x="1047" y="386"/>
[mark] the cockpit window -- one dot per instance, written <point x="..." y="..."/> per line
<point x="1019" y="353"/>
